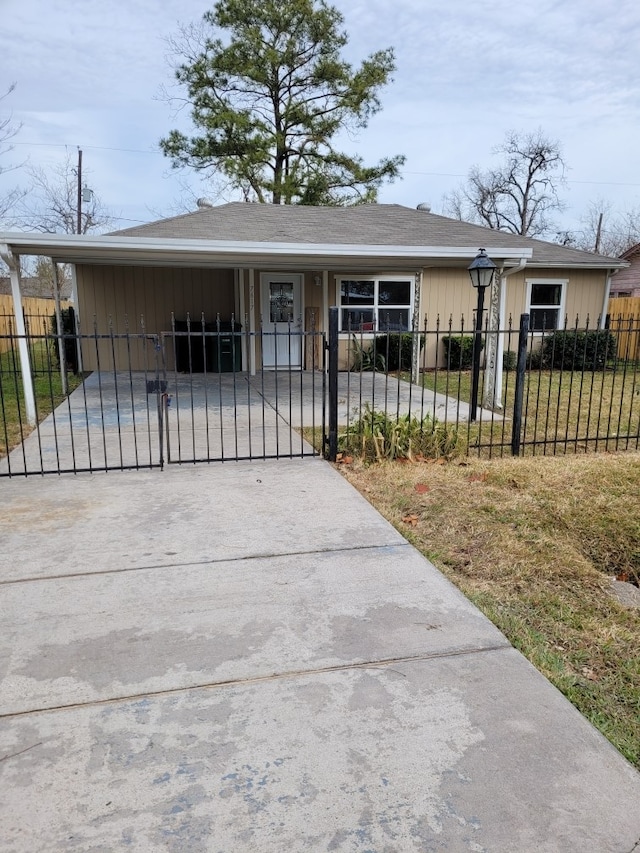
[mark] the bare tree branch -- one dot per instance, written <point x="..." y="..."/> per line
<point x="604" y="231"/>
<point x="8" y="129"/>
<point x="520" y="194"/>
<point x="51" y="205"/>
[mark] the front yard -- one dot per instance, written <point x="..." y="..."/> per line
<point x="562" y="411"/>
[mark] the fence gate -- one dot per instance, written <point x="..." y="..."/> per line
<point x="215" y="411"/>
<point x="110" y="419"/>
<point x="178" y="397"/>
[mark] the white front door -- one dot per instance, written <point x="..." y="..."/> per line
<point x="281" y="320"/>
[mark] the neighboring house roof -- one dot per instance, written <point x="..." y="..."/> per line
<point x="627" y="280"/>
<point x="368" y="224"/>
<point x="373" y="236"/>
<point x="631" y="252"/>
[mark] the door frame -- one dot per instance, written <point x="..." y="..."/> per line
<point x="265" y="279"/>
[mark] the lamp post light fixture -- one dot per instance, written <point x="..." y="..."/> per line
<point x="481" y="271"/>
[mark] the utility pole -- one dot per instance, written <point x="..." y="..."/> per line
<point x="598" y="234"/>
<point x="79" y="206"/>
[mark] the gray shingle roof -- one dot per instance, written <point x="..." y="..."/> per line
<point x="372" y="225"/>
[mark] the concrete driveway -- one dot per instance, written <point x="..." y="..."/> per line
<point x="111" y="420"/>
<point x="247" y="657"/>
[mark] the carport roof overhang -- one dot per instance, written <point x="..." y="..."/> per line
<point x="153" y="251"/>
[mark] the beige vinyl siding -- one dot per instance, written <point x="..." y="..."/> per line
<point x="447" y="296"/>
<point x="583" y="299"/>
<point x="448" y="302"/>
<point x="121" y="296"/>
<point x="137" y="299"/>
<point x="447" y="293"/>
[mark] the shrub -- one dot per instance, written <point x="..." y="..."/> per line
<point x="458" y="351"/>
<point x="578" y="350"/>
<point x="397" y="349"/>
<point x="509" y="360"/>
<point x="534" y="359"/>
<point x="376" y="435"/>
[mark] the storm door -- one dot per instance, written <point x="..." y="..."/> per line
<point x="281" y="321"/>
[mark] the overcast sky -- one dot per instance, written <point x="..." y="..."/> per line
<point x="88" y="74"/>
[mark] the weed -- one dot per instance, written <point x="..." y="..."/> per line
<point x="376" y="435"/>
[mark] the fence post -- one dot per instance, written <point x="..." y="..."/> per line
<point x="162" y="398"/>
<point x="333" y="383"/>
<point x="519" y="389"/>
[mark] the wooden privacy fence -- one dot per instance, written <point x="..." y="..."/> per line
<point x="624" y="314"/>
<point x="33" y="308"/>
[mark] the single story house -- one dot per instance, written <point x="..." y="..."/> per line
<point x="386" y="266"/>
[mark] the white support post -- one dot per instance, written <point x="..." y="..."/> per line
<point x="252" y="322"/>
<point x="415" y="327"/>
<point x="605" y="302"/>
<point x="492" y="397"/>
<point x="13" y="262"/>
<point x="325" y="306"/>
<point x="495" y="342"/>
<point x="240" y="302"/>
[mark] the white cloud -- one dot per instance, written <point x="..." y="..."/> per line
<point x="88" y="74"/>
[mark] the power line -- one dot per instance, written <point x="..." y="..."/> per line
<point x="92" y="147"/>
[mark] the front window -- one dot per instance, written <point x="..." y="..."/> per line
<point x="546" y="304"/>
<point x="375" y="305"/>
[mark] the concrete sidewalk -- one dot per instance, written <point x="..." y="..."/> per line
<point x="247" y="657"/>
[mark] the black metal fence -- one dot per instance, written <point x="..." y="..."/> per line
<point x="144" y="399"/>
<point x="68" y="422"/>
<point x="201" y="392"/>
<point x="547" y="391"/>
<point x="218" y="410"/>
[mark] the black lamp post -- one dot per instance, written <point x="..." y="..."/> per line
<point x="481" y="271"/>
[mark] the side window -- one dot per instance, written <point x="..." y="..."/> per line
<point x="545" y="304"/>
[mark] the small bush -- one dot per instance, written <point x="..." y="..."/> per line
<point x="458" y="351"/>
<point x="509" y="360"/>
<point x="376" y="436"/>
<point x="397" y="349"/>
<point x="578" y="350"/>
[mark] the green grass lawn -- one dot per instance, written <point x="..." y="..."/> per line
<point x="598" y="410"/>
<point x="47" y="389"/>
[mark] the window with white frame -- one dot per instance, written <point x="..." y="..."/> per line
<point x="375" y="304"/>
<point x="545" y="303"/>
